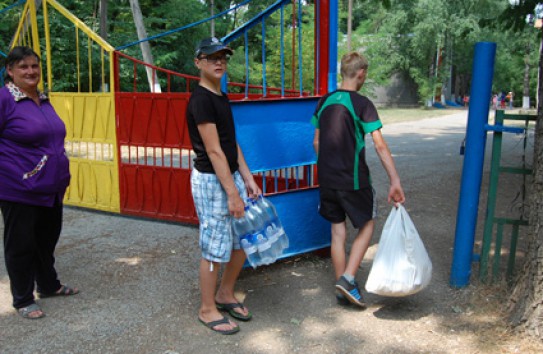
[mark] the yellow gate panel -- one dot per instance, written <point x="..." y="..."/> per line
<point x="92" y="148"/>
<point x="96" y="113"/>
<point x="92" y="186"/>
<point x="88" y="116"/>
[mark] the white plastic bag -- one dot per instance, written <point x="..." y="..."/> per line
<point x="401" y="265"/>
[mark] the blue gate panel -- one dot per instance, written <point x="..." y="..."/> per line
<point x="306" y="229"/>
<point x="275" y="134"/>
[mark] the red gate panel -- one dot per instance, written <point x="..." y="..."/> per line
<point x="155" y="156"/>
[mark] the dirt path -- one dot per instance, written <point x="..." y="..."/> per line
<point x="140" y="294"/>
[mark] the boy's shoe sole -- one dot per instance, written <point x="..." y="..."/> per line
<point x="342" y="300"/>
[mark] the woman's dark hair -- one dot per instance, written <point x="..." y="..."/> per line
<point x="15" y="55"/>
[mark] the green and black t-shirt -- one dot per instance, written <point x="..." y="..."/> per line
<point x="343" y="118"/>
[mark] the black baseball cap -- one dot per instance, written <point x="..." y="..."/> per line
<point x="211" y="45"/>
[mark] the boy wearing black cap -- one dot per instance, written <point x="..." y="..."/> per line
<point x="220" y="181"/>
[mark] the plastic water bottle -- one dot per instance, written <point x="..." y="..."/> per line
<point x="243" y="229"/>
<point x="274" y="224"/>
<point x="274" y="229"/>
<point x="251" y="250"/>
<point x="264" y="225"/>
<point x="265" y="250"/>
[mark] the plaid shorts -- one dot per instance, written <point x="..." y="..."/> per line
<point x="211" y="202"/>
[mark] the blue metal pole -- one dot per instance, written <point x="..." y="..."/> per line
<point x="332" y="66"/>
<point x="472" y="171"/>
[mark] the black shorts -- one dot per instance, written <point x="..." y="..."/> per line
<point x="358" y="205"/>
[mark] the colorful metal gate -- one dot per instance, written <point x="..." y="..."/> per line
<point x="129" y="148"/>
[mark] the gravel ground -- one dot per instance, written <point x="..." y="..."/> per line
<point x="139" y="281"/>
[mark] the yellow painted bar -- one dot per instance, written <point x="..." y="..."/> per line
<point x="34" y="28"/>
<point x="35" y="36"/>
<point x="19" y="34"/>
<point x="103" y="74"/>
<point x="89" y="56"/>
<point x="111" y="74"/>
<point x="77" y="58"/>
<point x="47" y="45"/>
<point x="80" y="24"/>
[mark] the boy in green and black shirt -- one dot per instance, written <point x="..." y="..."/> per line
<point x="341" y="119"/>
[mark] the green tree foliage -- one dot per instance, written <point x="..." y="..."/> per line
<point x="275" y="69"/>
<point x="427" y="38"/>
<point x="9" y="19"/>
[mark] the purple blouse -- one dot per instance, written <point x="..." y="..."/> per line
<point x="34" y="168"/>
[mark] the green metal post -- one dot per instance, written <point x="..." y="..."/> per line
<point x="512" y="252"/>
<point x="492" y="193"/>
<point x="497" y="251"/>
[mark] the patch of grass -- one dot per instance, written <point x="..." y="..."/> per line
<point x="396" y="115"/>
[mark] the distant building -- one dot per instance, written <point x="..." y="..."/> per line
<point x="400" y="92"/>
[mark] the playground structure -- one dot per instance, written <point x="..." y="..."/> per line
<point x="128" y="143"/>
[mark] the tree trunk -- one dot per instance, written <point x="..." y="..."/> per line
<point x="212" y="8"/>
<point x="457" y="84"/>
<point x="349" y="24"/>
<point x="145" y="48"/>
<point x="526" y="302"/>
<point x="526" y="89"/>
<point x="103" y="19"/>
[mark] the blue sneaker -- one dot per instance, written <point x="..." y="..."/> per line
<point x="350" y="291"/>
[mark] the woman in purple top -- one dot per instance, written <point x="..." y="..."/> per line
<point x="34" y="175"/>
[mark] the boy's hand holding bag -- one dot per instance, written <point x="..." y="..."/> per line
<point x="401" y="265"/>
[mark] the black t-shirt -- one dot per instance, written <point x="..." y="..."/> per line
<point x="343" y="118"/>
<point x="206" y="107"/>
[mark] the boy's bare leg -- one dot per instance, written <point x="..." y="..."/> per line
<point x="208" y="282"/>
<point x="225" y="294"/>
<point x="359" y="247"/>
<point x="345" y="274"/>
<point x="337" y="249"/>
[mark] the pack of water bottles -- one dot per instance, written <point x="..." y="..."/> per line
<point x="260" y="232"/>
